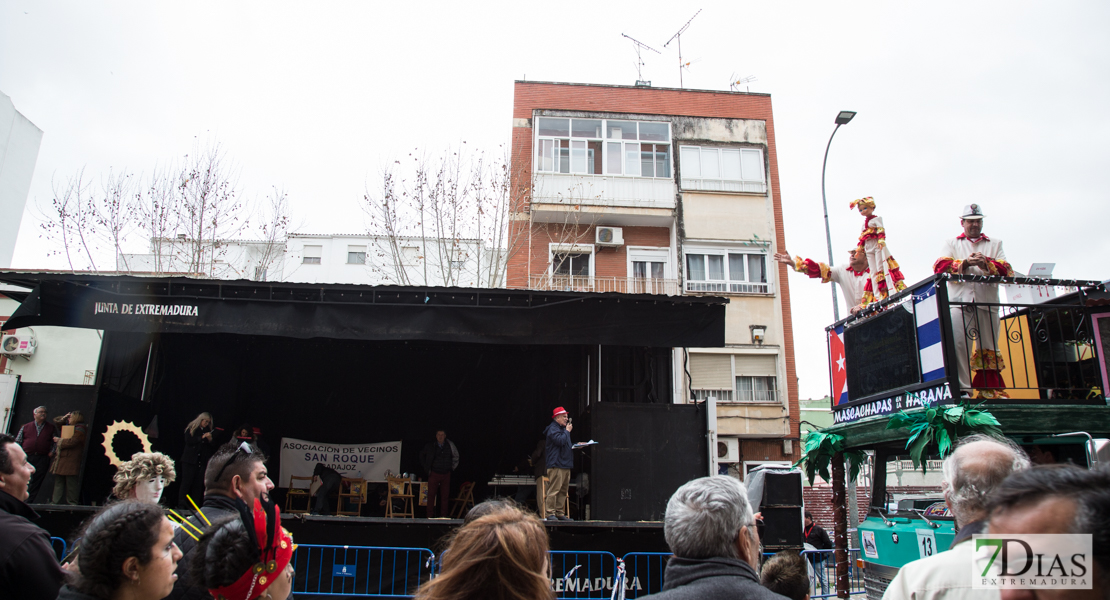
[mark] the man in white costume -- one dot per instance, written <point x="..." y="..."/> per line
<point x="851" y="279"/>
<point x="973" y="253"/>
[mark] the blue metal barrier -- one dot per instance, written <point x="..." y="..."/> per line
<point x="57" y="543"/>
<point x="377" y="571"/>
<point x="644" y="572"/>
<point x="592" y="579"/>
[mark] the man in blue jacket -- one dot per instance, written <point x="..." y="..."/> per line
<point x="560" y="459"/>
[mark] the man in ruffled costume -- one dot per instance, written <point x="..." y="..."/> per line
<point x="972" y="253"/>
<point x="885" y="275"/>
<point x="851" y="279"/>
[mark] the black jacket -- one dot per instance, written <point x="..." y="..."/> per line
<point x="216" y="508"/>
<point x="539" y="460"/>
<point x="817" y="537"/>
<point x="198" y="450"/>
<point x="28" y="566"/>
<point x="710" y="579"/>
<point x="559" y="453"/>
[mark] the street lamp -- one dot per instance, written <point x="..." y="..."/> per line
<point x="842" y="118"/>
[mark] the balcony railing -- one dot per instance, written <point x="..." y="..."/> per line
<point x="723" y="185"/>
<point x="624" y="285"/>
<point x="728" y="287"/>
<point x="601" y="190"/>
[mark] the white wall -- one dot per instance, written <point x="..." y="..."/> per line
<point x="379" y="268"/>
<point x="63" y="354"/>
<point x="19" y="149"/>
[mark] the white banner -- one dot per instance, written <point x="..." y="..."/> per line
<point x="363" y="461"/>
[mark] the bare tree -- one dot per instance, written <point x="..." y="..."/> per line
<point x="188" y="212"/>
<point x="454" y="209"/>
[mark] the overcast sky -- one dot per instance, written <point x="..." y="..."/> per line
<point x="1000" y="103"/>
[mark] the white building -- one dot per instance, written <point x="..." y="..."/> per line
<point x="19" y="149"/>
<point x="328" y="258"/>
<point x="380" y="260"/>
<point x="65" y="355"/>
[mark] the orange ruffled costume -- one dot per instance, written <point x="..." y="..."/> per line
<point x="885" y="274"/>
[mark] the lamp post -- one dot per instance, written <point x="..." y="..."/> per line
<point x="842" y="118"/>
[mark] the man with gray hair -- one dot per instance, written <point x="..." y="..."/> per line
<point x="972" y="472"/>
<point x="37" y="440"/>
<point x="711" y="532"/>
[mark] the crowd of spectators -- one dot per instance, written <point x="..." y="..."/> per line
<point x="129" y="549"/>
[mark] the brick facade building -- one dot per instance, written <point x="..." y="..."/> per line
<point x="649" y="190"/>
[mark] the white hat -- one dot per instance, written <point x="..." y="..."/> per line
<point x="972" y="211"/>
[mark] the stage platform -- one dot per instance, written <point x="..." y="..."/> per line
<point x="618" y="537"/>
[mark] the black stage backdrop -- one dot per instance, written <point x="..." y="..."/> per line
<point x="58" y="399"/>
<point x="493" y="400"/>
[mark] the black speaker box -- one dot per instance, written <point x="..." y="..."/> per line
<point x="782" y="489"/>
<point x="783" y="527"/>
<point x="644" y="453"/>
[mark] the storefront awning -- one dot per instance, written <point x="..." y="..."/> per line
<point x="340" y="311"/>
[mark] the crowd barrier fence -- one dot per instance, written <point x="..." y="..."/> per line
<point x="396" y="572"/>
<point x="372" y="571"/>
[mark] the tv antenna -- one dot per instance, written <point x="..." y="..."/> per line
<point x="678" y="36"/>
<point x="735" y="83"/>
<point x="639" y="61"/>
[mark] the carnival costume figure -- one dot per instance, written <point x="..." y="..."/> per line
<point x="144" y="477"/>
<point x="885" y="274"/>
<point x="852" y="278"/>
<point x="974" y="311"/>
<point x="246" y="556"/>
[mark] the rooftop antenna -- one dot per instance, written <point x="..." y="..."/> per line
<point x="639" y="61"/>
<point x="678" y="36"/>
<point x="735" y="83"/>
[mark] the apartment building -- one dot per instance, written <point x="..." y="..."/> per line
<point x="664" y="191"/>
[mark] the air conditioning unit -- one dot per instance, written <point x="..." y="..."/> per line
<point x="610" y="236"/>
<point x="728" y="450"/>
<point x="18" y="345"/>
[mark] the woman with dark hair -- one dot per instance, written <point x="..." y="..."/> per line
<point x="126" y="552"/>
<point x="246" y="556"/>
<point x="200" y="445"/>
<point x="500" y="555"/>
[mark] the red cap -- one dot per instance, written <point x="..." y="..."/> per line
<point x="558" y="411"/>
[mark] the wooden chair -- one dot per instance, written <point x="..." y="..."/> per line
<point x="541" y="499"/>
<point x="465" y="498"/>
<point x="398" y="488"/>
<point x="354" y="492"/>
<point x="297" y="492"/>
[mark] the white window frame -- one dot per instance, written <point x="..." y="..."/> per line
<point x="650" y="254"/>
<point x="307" y="260"/>
<point x="696" y="181"/>
<point x="553" y="249"/>
<point x="350" y="251"/>
<point x="736" y="388"/>
<point x="537" y="140"/>
<point x="726" y="285"/>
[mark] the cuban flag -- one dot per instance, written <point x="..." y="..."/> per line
<point x="837" y="371"/>
<point x="929" y="347"/>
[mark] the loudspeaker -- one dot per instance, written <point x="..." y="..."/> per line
<point x="783" y="527"/>
<point x="636" y="465"/>
<point x="782" y="489"/>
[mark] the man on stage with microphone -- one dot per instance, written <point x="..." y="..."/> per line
<point x="560" y="460"/>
